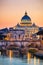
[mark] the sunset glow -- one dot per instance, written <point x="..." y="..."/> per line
<point x="11" y="12"/>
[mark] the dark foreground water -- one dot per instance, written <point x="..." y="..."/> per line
<point x="20" y="61"/>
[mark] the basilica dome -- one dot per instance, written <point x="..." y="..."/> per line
<point x="26" y="20"/>
<point x="26" y="17"/>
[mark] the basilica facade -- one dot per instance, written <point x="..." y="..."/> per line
<point x="26" y="24"/>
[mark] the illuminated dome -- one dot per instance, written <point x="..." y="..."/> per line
<point x="26" y="20"/>
<point x="26" y="17"/>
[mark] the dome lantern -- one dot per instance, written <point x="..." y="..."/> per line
<point x="25" y="13"/>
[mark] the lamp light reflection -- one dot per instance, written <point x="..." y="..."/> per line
<point x="29" y="58"/>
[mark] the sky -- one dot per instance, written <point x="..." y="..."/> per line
<point x="11" y="12"/>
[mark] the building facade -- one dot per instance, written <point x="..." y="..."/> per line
<point x="26" y="24"/>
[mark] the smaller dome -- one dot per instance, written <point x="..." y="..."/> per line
<point x="34" y="25"/>
<point x="18" y="25"/>
<point x="26" y="17"/>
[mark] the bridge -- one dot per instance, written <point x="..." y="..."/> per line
<point x="15" y="41"/>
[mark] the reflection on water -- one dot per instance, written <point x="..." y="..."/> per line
<point x="38" y="61"/>
<point x="35" y="61"/>
<point x="0" y="53"/>
<point x="29" y="60"/>
<point x="10" y="54"/>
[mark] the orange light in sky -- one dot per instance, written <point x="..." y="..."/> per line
<point x="11" y="11"/>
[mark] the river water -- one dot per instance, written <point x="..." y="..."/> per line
<point x="28" y="60"/>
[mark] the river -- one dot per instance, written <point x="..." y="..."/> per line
<point x="28" y="60"/>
